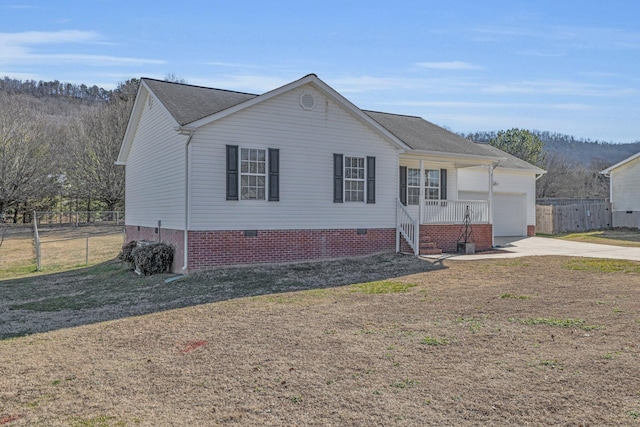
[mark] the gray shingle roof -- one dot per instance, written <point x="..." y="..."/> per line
<point x="420" y="134"/>
<point x="188" y="103"/>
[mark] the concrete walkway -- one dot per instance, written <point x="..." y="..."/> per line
<point x="531" y="246"/>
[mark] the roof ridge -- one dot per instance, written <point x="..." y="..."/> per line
<point x="199" y="86"/>
<point x="393" y="114"/>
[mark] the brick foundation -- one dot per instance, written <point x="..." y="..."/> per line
<point x="446" y="236"/>
<point x="215" y="248"/>
<point x="531" y="230"/>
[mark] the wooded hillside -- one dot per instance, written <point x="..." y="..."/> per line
<point x="58" y="145"/>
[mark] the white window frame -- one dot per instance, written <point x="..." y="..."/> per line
<point x="429" y="185"/>
<point x="254" y="169"/>
<point x="360" y="168"/>
<point x="413" y="183"/>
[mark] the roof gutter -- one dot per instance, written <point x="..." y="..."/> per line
<point x="189" y="132"/>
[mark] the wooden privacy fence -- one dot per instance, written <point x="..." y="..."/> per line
<point x="556" y="219"/>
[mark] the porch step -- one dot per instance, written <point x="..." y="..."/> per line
<point x="430" y="251"/>
<point x="428" y="247"/>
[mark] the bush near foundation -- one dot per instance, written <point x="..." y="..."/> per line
<point x="146" y="257"/>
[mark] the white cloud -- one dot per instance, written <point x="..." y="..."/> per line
<point x="21" y="49"/>
<point x="559" y="87"/>
<point x="450" y="65"/>
<point x="494" y="105"/>
<point x="29" y="38"/>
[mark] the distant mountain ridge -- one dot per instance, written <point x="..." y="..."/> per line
<point x="579" y="151"/>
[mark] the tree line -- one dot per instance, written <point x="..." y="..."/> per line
<point x="54" y="88"/>
<point x="58" y="154"/>
<point x="573" y="165"/>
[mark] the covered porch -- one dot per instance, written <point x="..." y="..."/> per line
<point x="430" y="217"/>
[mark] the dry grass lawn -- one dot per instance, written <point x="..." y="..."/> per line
<point x="62" y="248"/>
<point x="527" y="341"/>
<point x="629" y="237"/>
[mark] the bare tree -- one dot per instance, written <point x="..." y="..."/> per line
<point x="94" y="144"/>
<point x="27" y="169"/>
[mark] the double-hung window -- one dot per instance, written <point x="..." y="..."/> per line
<point x="435" y="185"/>
<point x="354" y="179"/>
<point x="432" y="184"/>
<point x="253" y="174"/>
<point x="413" y="186"/>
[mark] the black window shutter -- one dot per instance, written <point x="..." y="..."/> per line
<point x="403" y="185"/>
<point x="443" y="184"/>
<point x="274" y="174"/>
<point x="371" y="179"/>
<point x="232" y="172"/>
<point x="338" y="173"/>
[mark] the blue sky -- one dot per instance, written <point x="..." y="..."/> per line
<point x="564" y="66"/>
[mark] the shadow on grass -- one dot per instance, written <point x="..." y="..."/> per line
<point x="108" y="291"/>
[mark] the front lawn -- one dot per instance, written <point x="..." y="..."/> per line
<point x="526" y="341"/>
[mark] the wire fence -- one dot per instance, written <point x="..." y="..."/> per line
<point x="78" y="218"/>
<point x="54" y="247"/>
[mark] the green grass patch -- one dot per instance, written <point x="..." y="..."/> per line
<point x="615" y="237"/>
<point x="551" y="321"/>
<point x="603" y="265"/>
<point x="382" y="287"/>
<point x="405" y="384"/>
<point x="514" y="296"/>
<point x="434" y="341"/>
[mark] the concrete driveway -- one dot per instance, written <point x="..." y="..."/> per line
<point x="528" y="246"/>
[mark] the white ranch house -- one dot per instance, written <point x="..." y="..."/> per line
<point x="624" y="192"/>
<point x="301" y="173"/>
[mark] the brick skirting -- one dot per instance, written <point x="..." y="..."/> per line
<point x="446" y="236"/>
<point x="216" y="248"/>
<point x="531" y="230"/>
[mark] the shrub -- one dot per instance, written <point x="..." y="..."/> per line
<point x="126" y="255"/>
<point x="153" y="258"/>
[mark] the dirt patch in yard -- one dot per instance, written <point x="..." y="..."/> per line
<point x="527" y="341"/>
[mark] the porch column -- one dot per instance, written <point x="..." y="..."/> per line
<point x="421" y="200"/>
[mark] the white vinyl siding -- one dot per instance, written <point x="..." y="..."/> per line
<point x="155" y="186"/>
<point x="307" y="140"/>
<point x="625" y="187"/>
<point x="506" y="182"/>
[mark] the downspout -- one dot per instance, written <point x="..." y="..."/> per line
<point x="492" y="167"/>
<point x="190" y="133"/>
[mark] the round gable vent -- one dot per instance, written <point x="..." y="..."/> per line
<point x="307" y="101"/>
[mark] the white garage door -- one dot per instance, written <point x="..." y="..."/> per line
<point x="509" y="215"/>
<point x="509" y="212"/>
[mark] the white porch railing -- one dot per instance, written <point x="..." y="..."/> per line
<point x="406" y="227"/>
<point x="453" y="211"/>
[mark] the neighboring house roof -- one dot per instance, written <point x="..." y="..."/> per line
<point x="193" y="106"/>
<point x="608" y="170"/>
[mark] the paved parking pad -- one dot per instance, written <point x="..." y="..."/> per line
<point x="514" y="247"/>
